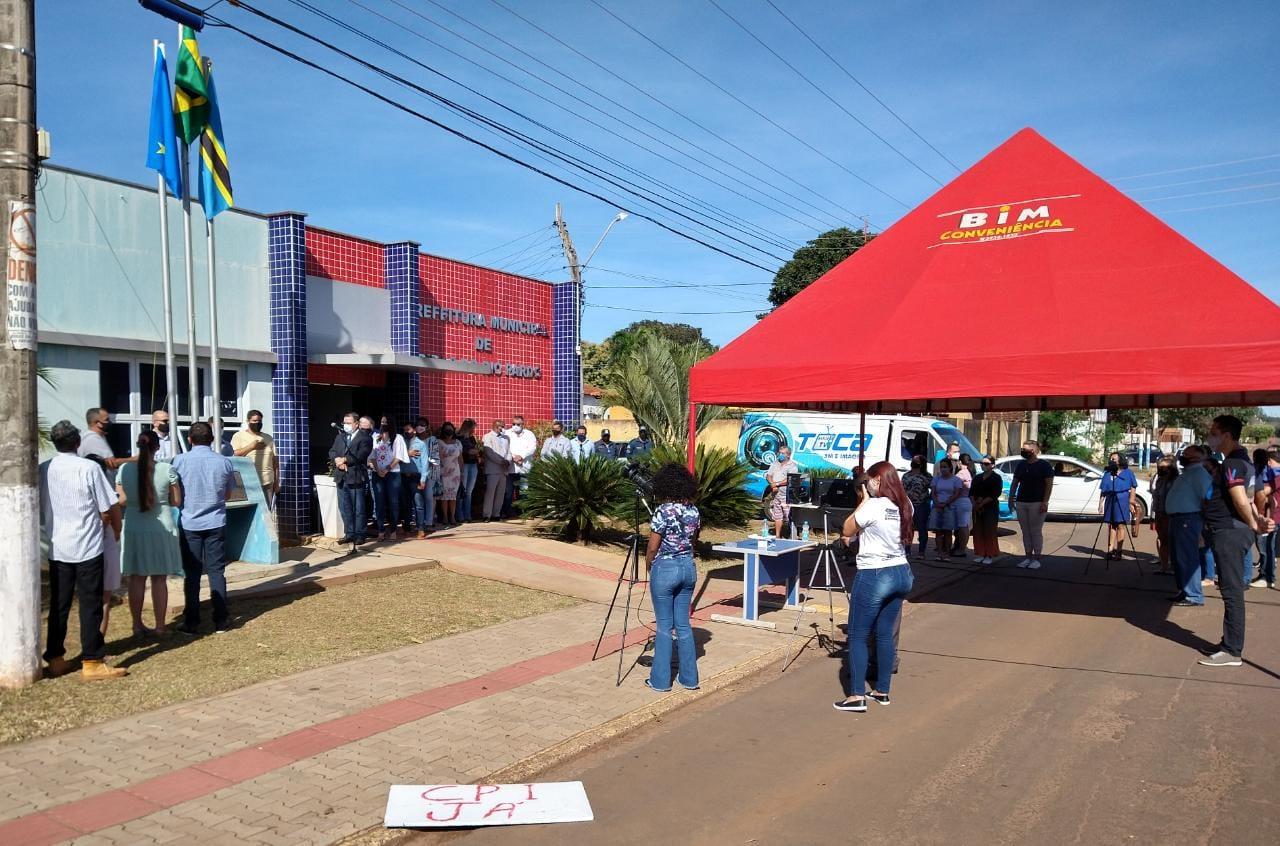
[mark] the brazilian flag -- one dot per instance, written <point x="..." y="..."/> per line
<point x="190" y="90"/>
<point x="215" y="173"/>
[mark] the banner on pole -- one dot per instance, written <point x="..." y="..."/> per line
<point x="20" y="276"/>
<point x="463" y="805"/>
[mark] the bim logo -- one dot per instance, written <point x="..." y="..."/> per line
<point x="1004" y="221"/>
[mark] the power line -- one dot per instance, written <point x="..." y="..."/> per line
<point x="858" y="83"/>
<point x="743" y="103"/>
<point x="469" y="139"/>
<point x="1207" y="179"/>
<point x="670" y="108"/>
<point x="1198" y="167"/>
<point x="823" y="92"/>
<point x="674" y="282"/>
<point x="1218" y="191"/>
<point x="655" y="311"/>
<point x="471" y="258"/>
<point x="466" y="112"/>
<point x="1223" y="205"/>
<point x="739" y="223"/>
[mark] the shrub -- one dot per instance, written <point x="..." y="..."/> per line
<point x="722" y="500"/>
<point x="574" y="499"/>
<point x="827" y="473"/>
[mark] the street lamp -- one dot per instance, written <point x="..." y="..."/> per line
<point x="578" y="295"/>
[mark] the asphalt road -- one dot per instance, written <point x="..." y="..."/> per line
<point x="1031" y="707"/>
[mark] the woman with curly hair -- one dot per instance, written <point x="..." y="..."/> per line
<point x="672" y="576"/>
<point x="883" y="524"/>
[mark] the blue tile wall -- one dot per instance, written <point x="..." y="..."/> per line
<point x="400" y="270"/>
<point x="566" y="385"/>
<point x="286" y="259"/>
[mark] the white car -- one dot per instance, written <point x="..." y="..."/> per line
<point x="1075" y="486"/>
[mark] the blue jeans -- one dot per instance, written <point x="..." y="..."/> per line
<point x="921" y="521"/>
<point x="469" y="474"/>
<point x="386" y="498"/>
<point x="1267" y="556"/>
<point x="424" y="504"/>
<point x="671" y="583"/>
<point x="877" y="603"/>
<point x="1185" y="530"/>
<point x="1208" y="569"/>
<point x="351" y="505"/>
<point x="204" y="553"/>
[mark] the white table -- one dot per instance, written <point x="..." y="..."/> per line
<point x="778" y="564"/>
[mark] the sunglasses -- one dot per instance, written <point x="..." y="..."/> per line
<point x="986" y="464"/>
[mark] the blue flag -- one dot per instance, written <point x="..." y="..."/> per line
<point x="162" y="144"/>
<point x="215" y="172"/>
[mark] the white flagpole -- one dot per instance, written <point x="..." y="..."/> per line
<point x="213" y="310"/>
<point x="170" y="363"/>
<point x="193" y="392"/>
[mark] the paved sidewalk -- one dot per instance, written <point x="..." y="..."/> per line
<point x="308" y="758"/>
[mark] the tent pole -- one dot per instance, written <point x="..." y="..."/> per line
<point x="693" y="433"/>
<point x="862" y="440"/>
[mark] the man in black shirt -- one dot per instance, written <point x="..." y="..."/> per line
<point x="1230" y="514"/>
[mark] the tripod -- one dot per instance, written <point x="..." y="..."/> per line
<point x="1108" y="506"/>
<point x="827" y="561"/>
<point x="630" y="574"/>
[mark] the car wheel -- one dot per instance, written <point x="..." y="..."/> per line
<point x="1140" y="511"/>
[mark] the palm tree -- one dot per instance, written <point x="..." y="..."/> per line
<point x="653" y="383"/>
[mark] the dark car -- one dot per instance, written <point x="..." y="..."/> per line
<point x="1134" y="456"/>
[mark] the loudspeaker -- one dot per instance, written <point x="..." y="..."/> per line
<point x="840" y="493"/>
<point x="799" y="489"/>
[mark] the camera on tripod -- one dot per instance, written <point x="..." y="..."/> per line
<point x="641" y="476"/>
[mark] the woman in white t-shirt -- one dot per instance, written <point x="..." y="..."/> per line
<point x="883" y="524"/>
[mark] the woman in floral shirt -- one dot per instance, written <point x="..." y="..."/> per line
<point x="672" y="576"/>
<point x="918" y="484"/>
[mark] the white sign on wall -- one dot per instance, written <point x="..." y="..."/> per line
<point x="20" y="276"/>
<point x="462" y="805"/>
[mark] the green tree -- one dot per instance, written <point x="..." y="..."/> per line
<point x="595" y="362"/>
<point x="1199" y="419"/>
<point x="1054" y="437"/>
<point x="1258" y="433"/>
<point x="653" y="382"/>
<point x="814" y="259"/>
<point x="620" y="344"/>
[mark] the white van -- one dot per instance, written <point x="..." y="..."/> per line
<point x="821" y="440"/>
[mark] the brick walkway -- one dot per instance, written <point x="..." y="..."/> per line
<point x="308" y="758"/>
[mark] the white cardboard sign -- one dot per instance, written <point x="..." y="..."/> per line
<point x="462" y="805"/>
<point x="20" y="276"/>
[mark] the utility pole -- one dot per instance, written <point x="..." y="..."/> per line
<point x="1035" y="427"/>
<point x="575" y="273"/>
<point x="19" y="496"/>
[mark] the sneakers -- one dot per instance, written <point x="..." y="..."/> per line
<point x="98" y="671"/>
<point x="882" y="698"/>
<point x="1029" y="564"/>
<point x="857" y="705"/>
<point x="188" y="629"/>
<point x="1259" y="583"/>
<point x="1024" y="563"/>
<point x="1221" y="659"/>
<point x="986" y="559"/>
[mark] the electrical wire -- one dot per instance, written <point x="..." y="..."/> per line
<point x="672" y="109"/>
<point x="1208" y="179"/>
<point x="743" y="103"/>
<point x="1207" y="193"/>
<point x="858" y="83"/>
<point x="678" y="283"/>
<point x="505" y="244"/>
<point x="1223" y="205"/>
<point x="824" y="93"/>
<point x="465" y="112"/>
<point x="1198" y="167"/>
<point x="759" y="230"/>
<point x="476" y="142"/>
<point x="654" y="311"/>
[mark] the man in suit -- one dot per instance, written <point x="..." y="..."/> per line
<point x="350" y="456"/>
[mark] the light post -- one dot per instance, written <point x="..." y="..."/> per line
<point x="578" y="292"/>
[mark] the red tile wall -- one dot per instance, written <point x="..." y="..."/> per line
<point x="455" y="396"/>
<point x="337" y="374"/>
<point x="332" y="255"/>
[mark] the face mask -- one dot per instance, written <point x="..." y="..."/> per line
<point x="517" y="428"/>
<point x="162" y="428"/>
<point x="873" y="487"/>
<point x="446" y="433"/>
<point x="1027" y="454"/>
<point x="348" y="427"/>
<point x="581" y="437"/>
<point x="557" y="432"/>
<point x="1215" y="441"/>
<point x="253" y="427"/>
<point x="954" y="456"/>
<point x="421" y="430"/>
<point x="784" y="458"/>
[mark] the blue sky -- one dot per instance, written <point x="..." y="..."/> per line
<point x="1128" y="89"/>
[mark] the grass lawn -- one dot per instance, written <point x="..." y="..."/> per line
<point x="274" y="636"/>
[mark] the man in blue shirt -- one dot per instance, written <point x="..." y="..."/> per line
<point x="580" y="447"/>
<point x="639" y="446"/>
<point x="606" y="448"/>
<point x="1186" y="525"/>
<point x="207" y="480"/>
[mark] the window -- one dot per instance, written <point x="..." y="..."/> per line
<point x="915" y="443"/>
<point x="1069" y="470"/>
<point x="132" y="390"/>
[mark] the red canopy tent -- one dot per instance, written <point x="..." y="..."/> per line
<point x="1028" y="282"/>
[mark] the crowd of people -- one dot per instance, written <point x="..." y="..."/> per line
<point x="395" y="483"/>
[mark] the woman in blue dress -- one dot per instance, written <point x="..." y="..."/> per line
<point x="1118" y="490"/>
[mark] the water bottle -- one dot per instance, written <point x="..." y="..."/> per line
<point x="764" y="528"/>
<point x="793" y="534"/>
<point x="804" y="531"/>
